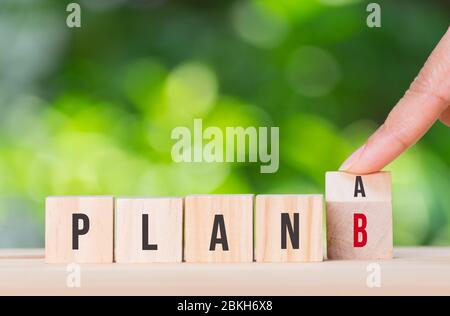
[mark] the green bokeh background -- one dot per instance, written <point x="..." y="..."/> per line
<point x="90" y="110"/>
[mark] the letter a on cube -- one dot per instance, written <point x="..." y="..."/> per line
<point x="79" y="229"/>
<point x="218" y="228"/>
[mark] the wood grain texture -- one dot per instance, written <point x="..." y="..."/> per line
<point x="269" y="230"/>
<point x="94" y="247"/>
<point x="340" y="230"/>
<point x="165" y="229"/>
<point x="22" y="253"/>
<point x="413" y="271"/>
<point x="339" y="186"/>
<point x="342" y="205"/>
<point x="200" y="211"/>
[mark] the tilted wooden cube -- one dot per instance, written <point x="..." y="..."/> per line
<point x="218" y="228"/>
<point x="288" y="228"/>
<point x="148" y="230"/>
<point x="359" y="216"/>
<point x="79" y="229"/>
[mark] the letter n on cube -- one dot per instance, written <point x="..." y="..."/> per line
<point x="289" y="228"/>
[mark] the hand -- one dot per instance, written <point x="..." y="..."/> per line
<point x="426" y="100"/>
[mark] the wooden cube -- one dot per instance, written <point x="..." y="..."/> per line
<point x="148" y="230"/>
<point x="79" y="229"/>
<point x="218" y="228"/>
<point x="289" y="228"/>
<point x="359" y="216"/>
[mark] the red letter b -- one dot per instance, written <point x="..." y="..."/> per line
<point x="359" y="229"/>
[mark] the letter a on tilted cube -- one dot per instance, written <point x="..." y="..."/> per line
<point x="359" y="216"/>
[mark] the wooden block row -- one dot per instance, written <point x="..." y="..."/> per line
<point x="225" y="228"/>
<point x="217" y="228"/>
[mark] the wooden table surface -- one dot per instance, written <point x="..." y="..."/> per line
<point x="414" y="271"/>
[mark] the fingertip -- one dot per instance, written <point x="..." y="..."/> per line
<point x="445" y="117"/>
<point x="352" y="159"/>
<point x="361" y="168"/>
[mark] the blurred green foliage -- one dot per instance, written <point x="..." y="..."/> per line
<point x="90" y="110"/>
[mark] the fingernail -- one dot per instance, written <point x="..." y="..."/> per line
<point x="352" y="159"/>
